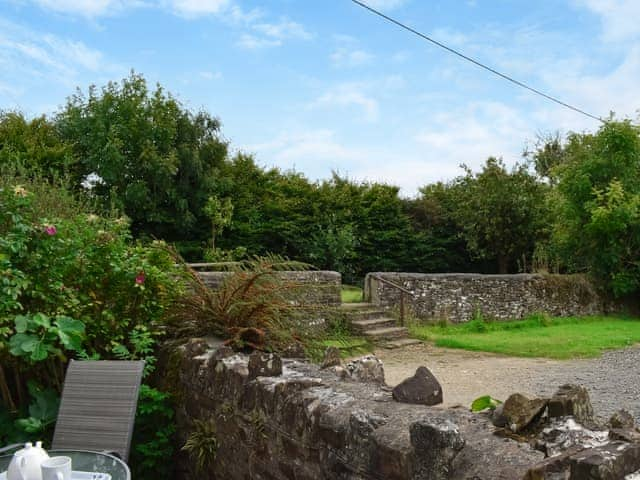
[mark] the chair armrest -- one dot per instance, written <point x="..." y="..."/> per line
<point x="11" y="447"/>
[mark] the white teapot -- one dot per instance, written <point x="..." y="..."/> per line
<point x="25" y="464"/>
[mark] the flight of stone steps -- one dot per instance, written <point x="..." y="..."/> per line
<point x="374" y="323"/>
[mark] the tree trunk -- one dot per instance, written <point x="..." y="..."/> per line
<point x="503" y="264"/>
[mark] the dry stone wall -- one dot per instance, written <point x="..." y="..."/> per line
<point x="459" y="297"/>
<point x="315" y="287"/>
<point x="286" y="419"/>
<point x="306" y="423"/>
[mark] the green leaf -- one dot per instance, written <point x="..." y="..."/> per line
<point x="30" y="425"/>
<point x="22" y="323"/>
<point x="45" y="406"/>
<point x="40" y="351"/>
<point x="484" y="402"/>
<point x="41" y="320"/>
<point x="22" y="344"/>
<point x="70" y="332"/>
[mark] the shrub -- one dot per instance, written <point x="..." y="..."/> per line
<point x="253" y="308"/>
<point x="74" y="285"/>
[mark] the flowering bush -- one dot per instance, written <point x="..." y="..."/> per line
<point x="72" y="284"/>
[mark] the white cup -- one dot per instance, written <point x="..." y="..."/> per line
<point x="56" y="468"/>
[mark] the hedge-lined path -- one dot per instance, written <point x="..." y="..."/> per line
<point x="613" y="380"/>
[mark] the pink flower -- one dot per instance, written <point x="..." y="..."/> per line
<point x="50" y="229"/>
<point x="140" y="278"/>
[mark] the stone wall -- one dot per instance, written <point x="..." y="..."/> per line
<point x="306" y="423"/>
<point x="314" y="287"/>
<point x="458" y="297"/>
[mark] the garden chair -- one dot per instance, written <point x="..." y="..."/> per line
<point x="98" y="406"/>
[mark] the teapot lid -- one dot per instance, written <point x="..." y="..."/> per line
<point x="29" y="448"/>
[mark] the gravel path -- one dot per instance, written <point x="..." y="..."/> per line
<point x="613" y="380"/>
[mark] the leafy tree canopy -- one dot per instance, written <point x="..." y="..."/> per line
<point x="145" y="154"/>
<point x="598" y="219"/>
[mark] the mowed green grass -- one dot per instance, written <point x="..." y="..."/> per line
<point x="349" y="346"/>
<point x="351" y="294"/>
<point x="537" y="336"/>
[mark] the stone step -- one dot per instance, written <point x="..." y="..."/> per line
<point x="372" y="323"/>
<point x="386" y="333"/>
<point x="357" y="305"/>
<point x="399" y="343"/>
<point x="358" y="315"/>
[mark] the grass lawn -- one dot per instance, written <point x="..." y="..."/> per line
<point x="350" y="346"/>
<point x="351" y="294"/>
<point x="537" y="336"/>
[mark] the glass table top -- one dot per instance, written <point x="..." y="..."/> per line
<point x="85" y="461"/>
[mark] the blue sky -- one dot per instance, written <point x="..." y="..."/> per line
<point x="322" y="85"/>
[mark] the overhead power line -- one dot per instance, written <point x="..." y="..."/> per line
<point x="476" y="62"/>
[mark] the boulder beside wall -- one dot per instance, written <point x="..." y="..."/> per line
<point x="308" y="423"/>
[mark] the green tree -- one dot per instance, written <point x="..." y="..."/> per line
<point x="598" y="224"/>
<point x="501" y="214"/>
<point x="219" y="212"/>
<point x="33" y="146"/>
<point x="437" y="244"/>
<point x="146" y="155"/>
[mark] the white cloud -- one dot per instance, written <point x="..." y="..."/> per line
<point x="196" y="8"/>
<point x="282" y="30"/>
<point x="44" y="55"/>
<point x="619" y="17"/>
<point x="473" y="133"/>
<point x="348" y="95"/>
<point x="345" y="57"/>
<point x="86" y="8"/>
<point x="265" y="35"/>
<point x="211" y="75"/>
<point x="252" y="42"/>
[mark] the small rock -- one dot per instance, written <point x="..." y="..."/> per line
<point x="264" y="365"/>
<point x="497" y="417"/>
<point x="519" y="411"/>
<point x="368" y="369"/>
<point x="622" y="419"/>
<point x="423" y="389"/>
<point x="340" y="371"/>
<point x="571" y="400"/>
<point x="195" y="347"/>
<point x="221" y="352"/>
<point x="294" y="350"/>
<point x="630" y="435"/>
<point x="331" y="358"/>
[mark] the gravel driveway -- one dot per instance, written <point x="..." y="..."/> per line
<point x="613" y="380"/>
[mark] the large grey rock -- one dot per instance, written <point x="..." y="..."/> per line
<point x="563" y="434"/>
<point x="423" y="388"/>
<point x="519" y="411"/>
<point x="609" y="462"/>
<point x="436" y="442"/>
<point x="264" y="365"/>
<point x="332" y="358"/>
<point x="571" y="400"/>
<point x="368" y="369"/>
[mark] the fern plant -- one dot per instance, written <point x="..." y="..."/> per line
<point x="202" y="444"/>
<point x="253" y="308"/>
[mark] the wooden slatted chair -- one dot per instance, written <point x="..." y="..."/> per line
<point x="98" y="406"/>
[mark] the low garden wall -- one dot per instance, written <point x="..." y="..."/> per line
<point x="315" y="287"/>
<point x="459" y="297"/>
<point x="306" y="423"/>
